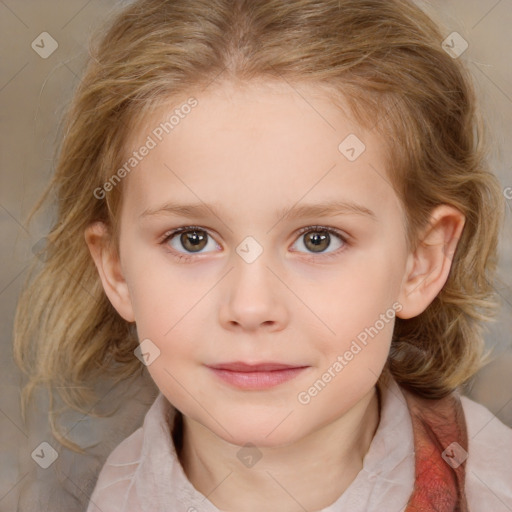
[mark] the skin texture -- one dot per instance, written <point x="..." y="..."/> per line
<point x="252" y="151"/>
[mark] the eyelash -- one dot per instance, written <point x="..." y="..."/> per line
<point x="186" y="258"/>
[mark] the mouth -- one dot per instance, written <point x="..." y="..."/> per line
<point x="256" y="376"/>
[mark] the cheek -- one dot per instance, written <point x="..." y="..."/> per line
<point x="159" y="293"/>
<point x="361" y="311"/>
<point x="355" y="297"/>
<point x="352" y="359"/>
<point x="168" y="311"/>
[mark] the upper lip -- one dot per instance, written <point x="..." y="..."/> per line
<point x="239" y="366"/>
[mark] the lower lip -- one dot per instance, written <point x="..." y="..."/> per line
<point x="257" y="380"/>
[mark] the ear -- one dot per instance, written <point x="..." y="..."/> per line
<point x="107" y="262"/>
<point x="428" y="266"/>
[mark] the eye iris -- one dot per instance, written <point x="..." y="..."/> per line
<point x="192" y="240"/>
<point x="317" y="238"/>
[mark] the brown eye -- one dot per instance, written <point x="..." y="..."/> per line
<point x="189" y="240"/>
<point x="194" y="240"/>
<point x="317" y="241"/>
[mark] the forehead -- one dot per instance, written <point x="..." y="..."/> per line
<point x="255" y="145"/>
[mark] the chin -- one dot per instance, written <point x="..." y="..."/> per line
<point x="265" y="432"/>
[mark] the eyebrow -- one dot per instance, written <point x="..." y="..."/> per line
<point x="324" y="209"/>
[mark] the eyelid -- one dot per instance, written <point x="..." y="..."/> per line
<point x="172" y="232"/>
<point x="345" y="237"/>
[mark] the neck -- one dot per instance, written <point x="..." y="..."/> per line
<point x="309" y="474"/>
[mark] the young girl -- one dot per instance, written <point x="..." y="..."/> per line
<point x="283" y="212"/>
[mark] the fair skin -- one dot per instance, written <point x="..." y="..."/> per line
<point x="253" y="151"/>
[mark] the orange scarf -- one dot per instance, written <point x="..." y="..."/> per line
<point x="440" y="446"/>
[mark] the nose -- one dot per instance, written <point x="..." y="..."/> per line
<point x="254" y="297"/>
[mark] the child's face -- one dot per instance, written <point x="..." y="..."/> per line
<point x="252" y="155"/>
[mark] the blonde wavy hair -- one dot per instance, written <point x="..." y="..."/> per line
<point x="384" y="57"/>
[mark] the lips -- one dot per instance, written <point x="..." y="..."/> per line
<point x="258" y="376"/>
<point x="259" y="367"/>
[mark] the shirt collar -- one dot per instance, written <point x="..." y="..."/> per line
<point x="161" y="483"/>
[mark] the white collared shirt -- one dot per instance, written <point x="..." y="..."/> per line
<point x="143" y="473"/>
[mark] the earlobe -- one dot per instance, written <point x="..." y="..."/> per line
<point x="107" y="262"/>
<point x="428" y="266"/>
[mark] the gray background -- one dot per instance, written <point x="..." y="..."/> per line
<point x="33" y="93"/>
